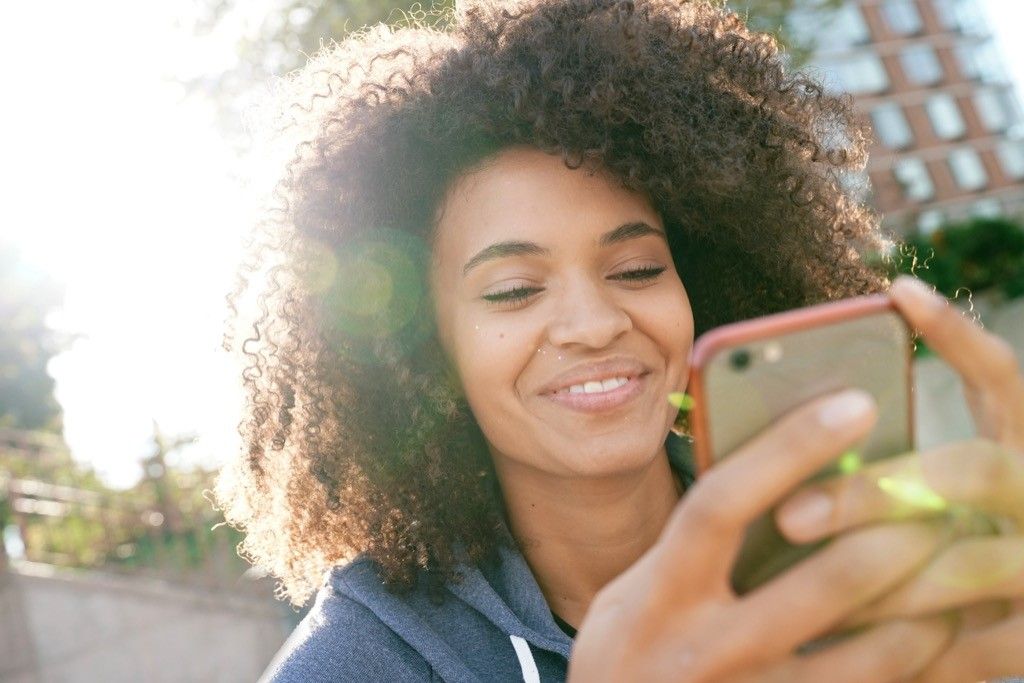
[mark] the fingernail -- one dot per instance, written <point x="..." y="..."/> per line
<point x="844" y="407"/>
<point x="921" y="293"/>
<point x="808" y="511"/>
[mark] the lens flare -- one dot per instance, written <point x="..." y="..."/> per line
<point x="981" y="566"/>
<point x="372" y="289"/>
<point x="681" y="401"/>
<point x="320" y="266"/>
<point x="378" y="293"/>
<point x="850" y="462"/>
<point x="913" y="492"/>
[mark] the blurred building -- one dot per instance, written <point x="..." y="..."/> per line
<point x="948" y="122"/>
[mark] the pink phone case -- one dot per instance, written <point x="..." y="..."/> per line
<point x="835" y="324"/>
<point x="789" y="359"/>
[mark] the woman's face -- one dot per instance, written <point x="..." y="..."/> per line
<point x="559" y="306"/>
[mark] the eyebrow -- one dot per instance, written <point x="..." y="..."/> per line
<point x="625" y="232"/>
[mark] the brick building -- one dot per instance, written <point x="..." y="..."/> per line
<point x="948" y="123"/>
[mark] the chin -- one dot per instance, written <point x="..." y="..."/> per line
<point x="600" y="457"/>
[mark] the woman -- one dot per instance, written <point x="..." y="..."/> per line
<point x="494" y="247"/>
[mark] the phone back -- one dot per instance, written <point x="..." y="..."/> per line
<point x="755" y="372"/>
<point x="746" y="376"/>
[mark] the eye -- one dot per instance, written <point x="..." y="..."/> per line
<point x="512" y="296"/>
<point x="515" y="297"/>
<point x="641" y="274"/>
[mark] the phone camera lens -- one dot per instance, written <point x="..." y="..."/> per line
<point x="740" y="359"/>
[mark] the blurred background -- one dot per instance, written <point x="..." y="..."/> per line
<point x="130" y="177"/>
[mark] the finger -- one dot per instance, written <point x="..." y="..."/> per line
<point x="991" y="652"/>
<point x="982" y="359"/>
<point x="892" y="651"/>
<point x="978" y="473"/>
<point x="982" y="614"/>
<point x="708" y="526"/>
<point x="853" y="500"/>
<point x="970" y="571"/>
<point x="814" y="595"/>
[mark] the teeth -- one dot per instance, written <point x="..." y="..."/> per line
<point x="597" y="387"/>
<point x="613" y="383"/>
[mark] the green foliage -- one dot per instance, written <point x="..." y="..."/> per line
<point x="66" y="516"/>
<point x="279" y="41"/>
<point x="979" y="255"/>
<point x="27" y="296"/>
<point x="773" y="17"/>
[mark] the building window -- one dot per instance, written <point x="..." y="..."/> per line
<point x="968" y="171"/>
<point x="857" y="74"/>
<point x="990" y="109"/>
<point x="972" y="21"/>
<point x="931" y="220"/>
<point x="997" y="109"/>
<point x="902" y="17"/>
<point x="989" y="207"/>
<point x="1011" y="158"/>
<point x="891" y="126"/>
<point x="981" y="61"/>
<point x="945" y="116"/>
<point x="913" y="176"/>
<point x="838" y="29"/>
<point x="921" y="65"/>
<point x="963" y="16"/>
<point x="946" y="10"/>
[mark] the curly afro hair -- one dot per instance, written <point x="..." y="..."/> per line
<point x="356" y="438"/>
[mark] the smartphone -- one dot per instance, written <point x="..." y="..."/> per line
<point x="745" y="376"/>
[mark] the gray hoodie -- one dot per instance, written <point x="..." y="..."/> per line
<point x="495" y="625"/>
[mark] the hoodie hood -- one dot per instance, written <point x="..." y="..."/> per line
<point x="493" y="625"/>
<point x="498" y="617"/>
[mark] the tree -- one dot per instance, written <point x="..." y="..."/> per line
<point x="280" y="40"/>
<point x="27" y="296"/>
<point x="277" y="42"/>
<point x="978" y="255"/>
<point x="777" y="17"/>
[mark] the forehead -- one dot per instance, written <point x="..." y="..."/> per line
<point x="526" y="194"/>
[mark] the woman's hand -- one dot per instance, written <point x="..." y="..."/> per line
<point x="993" y="382"/>
<point x="984" y="574"/>
<point x="673" y="615"/>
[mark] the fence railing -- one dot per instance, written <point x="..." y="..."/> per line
<point x="168" y="531"/>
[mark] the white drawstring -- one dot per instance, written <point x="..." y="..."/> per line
<point x="526" y="663"/>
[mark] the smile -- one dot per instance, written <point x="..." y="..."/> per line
<point x="596" y="387"/>
<point x="600" y="396"/>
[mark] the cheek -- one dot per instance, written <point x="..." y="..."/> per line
<point x="668" y="321"/>
<point x="491" y="355"/>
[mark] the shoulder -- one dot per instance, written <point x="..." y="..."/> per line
<point x="340" y="640"/>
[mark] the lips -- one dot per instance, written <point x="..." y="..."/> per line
<point x="603" y="401"/>
<point x="621" y="367"/>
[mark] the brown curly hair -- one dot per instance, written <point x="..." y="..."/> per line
<point x="357" y="439"/>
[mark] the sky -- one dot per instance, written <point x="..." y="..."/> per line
<point x="124" y="192"/>
<point x="1005" y="18"/>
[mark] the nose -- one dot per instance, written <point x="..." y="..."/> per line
<point x="587" y="314"/>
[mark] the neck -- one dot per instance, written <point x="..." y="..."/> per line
<point x="579" y="534"/>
